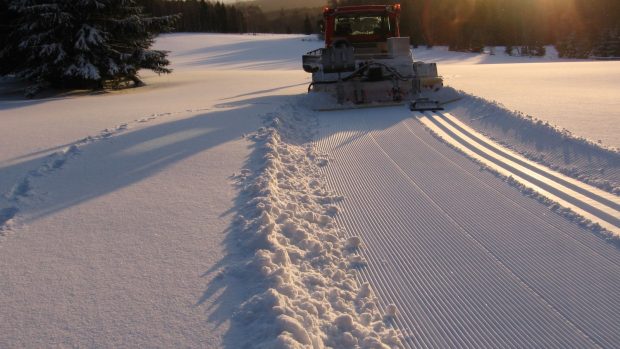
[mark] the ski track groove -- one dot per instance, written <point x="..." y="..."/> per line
<point x="562" y="225"/>
<point x="599" y="195"/>
<point x="572" y="290"/>
<point x="607" y="213"/>
<point x="428" y="296"/>
<point x="520" y="205"/>
<point x="513" y="220"/>
<point x="454" y="344"/>
<point x="471" y="213"/>
<point x="572" y="286"/>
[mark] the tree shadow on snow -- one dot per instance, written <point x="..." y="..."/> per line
<point x="119" y="161"/>
<point x="109" y="164"/>
<point x="12" y="94"/>
<point x="233" y="280"/>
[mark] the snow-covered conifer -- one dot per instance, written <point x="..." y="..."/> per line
<point x="83" y="43"/>
<point x="5" y="30"/>
<point x="574" y="46"/>
<point x="608" y="44"/>
<point x="308" y="25"/>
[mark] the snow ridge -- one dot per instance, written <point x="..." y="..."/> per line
<point x="311" y="297"/>
<point x="527" y="191"/>
<point x="539" y="141"/>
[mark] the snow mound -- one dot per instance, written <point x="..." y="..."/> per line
<point x="310" y="298"/>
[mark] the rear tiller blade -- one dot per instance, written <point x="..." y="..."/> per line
<point x="424" y="104"/>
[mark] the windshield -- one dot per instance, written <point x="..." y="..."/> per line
<point x="361" y="24"/>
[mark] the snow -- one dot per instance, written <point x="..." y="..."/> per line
<point x="117" y="204"/>
<point x="548" y="183"/>
<point x="312" y="297"/>
<point x="578" y="95"/>
<point x="537" y="140"/>
<point x="465" y="260"/>
<point x="390" y="310"/>
<point x="213" y="208"/>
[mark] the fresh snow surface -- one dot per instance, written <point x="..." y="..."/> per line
<point x="578" y="95"/>
<point x="214" y="208"/>
<point x="122" y="203"/>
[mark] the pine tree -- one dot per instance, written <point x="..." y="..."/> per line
<point x="614" y="43"/>
<point x="4" y="21"/>
<point x="307" y="26"/>
<point x="608" y="44"/>
<point x="538" y="50"/>
<point x="84" y="43"/>
<point x="573" y="46"/>
<point x="6" y="27"/>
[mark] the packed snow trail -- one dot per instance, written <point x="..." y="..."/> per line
<point x="592" y="203"/>
<point x="467" y="259"/>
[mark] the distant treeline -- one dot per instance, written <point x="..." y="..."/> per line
<point x="578" y="28"/>
<point x="208" y="16"/>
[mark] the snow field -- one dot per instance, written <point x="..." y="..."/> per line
<point x="122" y="244"/>
<point x="111" y="247"/>
<point x="312" y="297"/>
<point x="354" y="228"/>
<point x="580" y="96"/>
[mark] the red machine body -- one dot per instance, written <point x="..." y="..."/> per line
<point x="361" y="24"/>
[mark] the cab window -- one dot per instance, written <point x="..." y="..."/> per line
<point x="346" y="25"/>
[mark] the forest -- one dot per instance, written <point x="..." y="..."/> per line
<point x="578" y="28"/>
<point x="242" y="17"/>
